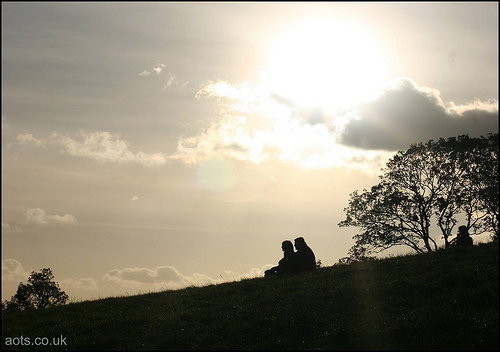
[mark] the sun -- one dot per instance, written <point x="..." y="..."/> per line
<point x="325" y="63"/>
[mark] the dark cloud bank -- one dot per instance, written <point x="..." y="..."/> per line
<point x="407" y="114"/>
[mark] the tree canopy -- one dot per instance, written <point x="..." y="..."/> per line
<point x="441" y="183"/>
<point x="41" y="291"/>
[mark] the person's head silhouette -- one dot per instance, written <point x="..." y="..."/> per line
<point x="462" y="230"/>
<point x="300" y="243"/>
<point x="287" y="246"/>
<point x="305" y="255"/>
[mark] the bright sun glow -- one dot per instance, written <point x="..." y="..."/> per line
<point x="330" y="64"/>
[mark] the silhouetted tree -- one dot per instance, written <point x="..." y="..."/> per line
<point x="469" y="170"/>
<point x="40" y="292"/>
<point x="483" y="181"/>
<point x="445" y="179"/>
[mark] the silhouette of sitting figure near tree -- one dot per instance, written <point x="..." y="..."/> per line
<point x="305" y="256"/>
<point x="463" y="237"/>
<point x="288" y="264"/>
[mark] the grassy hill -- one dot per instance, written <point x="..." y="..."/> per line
<point x="442" y="300"/>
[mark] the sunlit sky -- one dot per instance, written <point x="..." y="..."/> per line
<point x="153" y="146"/>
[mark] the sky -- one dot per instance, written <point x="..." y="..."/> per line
<point x="154" y="146"/>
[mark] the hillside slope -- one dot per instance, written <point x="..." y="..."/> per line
<point x="442" y="300"/>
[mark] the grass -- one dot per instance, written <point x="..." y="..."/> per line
<point x="441" y="300"/>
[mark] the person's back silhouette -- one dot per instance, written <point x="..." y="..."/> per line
<point x="463" y="237"/>
<point x="305" y="256"/>
<point x="288" y="264"/>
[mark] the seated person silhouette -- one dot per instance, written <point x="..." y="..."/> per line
<point x="305" y="256"/>
<point x="288" y="264"/>
<point x="463" y="237"/>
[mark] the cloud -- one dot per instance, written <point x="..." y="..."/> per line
<point x="13" y="270"/>
<point x="106" y="147"/>
<point x="220" y="89"/>
<point x="407" y="113"/>
<point x="242" y="97"/>
<point x="256" y="125"/>
<point x="99" y="146"/>
<point x="81" y="283"/>
<point x="158" y="278"/>
<point x="158" y="69"/>
<point x="118" y="282"/>
<point x="490" y="106"/>
<point x="39" y="216"/>
<point x="170" y="81"/>
<point x="28" y="138"/>
<point x="167" y="277"/>
<point x="228" y="138"/>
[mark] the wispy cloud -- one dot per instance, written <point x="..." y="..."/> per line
<point x="28" y="138"/>
<point x="99" y="146"/>
<point x="106" y="147"/>
<point x="170" y="81"/>
<point x="158" y="69"/>
<point x="39" y="216"/>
